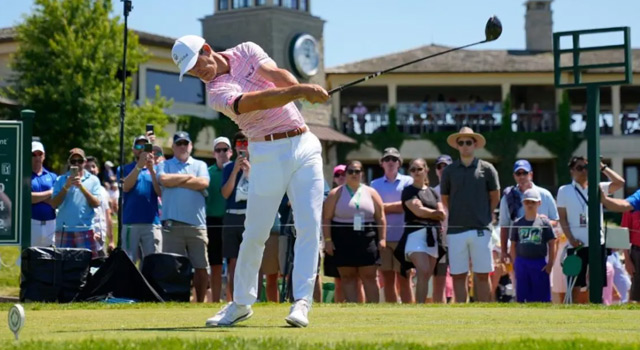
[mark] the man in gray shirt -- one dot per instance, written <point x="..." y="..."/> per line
<point x="470" y="191"/>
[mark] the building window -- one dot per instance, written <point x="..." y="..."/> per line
<point x="291" y="4"/>
<point x="632" y="180"/>
<point x="304" y="5"/>
<point x="241" y="3"/>
<point x="223" y="5"/>
<point x="261" y="2"/>
<point x="190" y="90"/>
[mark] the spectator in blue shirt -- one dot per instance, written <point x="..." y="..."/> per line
<point x="390" y="188"/>
<point x="43" y="216"/>
<point x="141" y="223"/>
<point x="235" y="188"/>
<point x="184" y="181"/>
<point x="511" y="207"/>
<point x="622" y="205"/>
<point x="75" y="195"/>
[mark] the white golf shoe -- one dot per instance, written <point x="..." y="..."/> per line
<point x="231" y="314"/>
<point x="298" y="314"/>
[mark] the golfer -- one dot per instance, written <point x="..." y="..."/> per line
<point x="245" y="84"/>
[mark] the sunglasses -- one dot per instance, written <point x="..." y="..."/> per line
<point x="441" y="166"/>
<point x="158" y="154"/>
<point x="76" y="161"/>
<point x="37" y="154"/>
<point x="340" y="174"/>
<point x="390" y="159"/>
<point x="242" y="143"/>
<point x="354" y="171"/>
<point x="139" y="147"/>
<point x="580" y="167"/>
<point x="221" y="150"/>
<point x="521" y="173"/>
<point x="413" y="170"/>
<point x="182" y="143"/>
<point x="467" y="143"/>
<point x="528" y="202"/>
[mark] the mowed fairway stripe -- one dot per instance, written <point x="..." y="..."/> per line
<point x="427" y="325"/>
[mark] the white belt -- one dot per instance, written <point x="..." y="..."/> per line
<point x="237" y="211"/>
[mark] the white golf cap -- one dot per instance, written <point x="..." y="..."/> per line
<point x="185" y="52"/>
<point x="221" y="139"/>
<point x="37" y="146"/>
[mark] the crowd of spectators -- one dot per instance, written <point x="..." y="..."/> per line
<point x="398" y="239"/>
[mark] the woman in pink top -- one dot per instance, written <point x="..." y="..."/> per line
<point x="354" y="228"/>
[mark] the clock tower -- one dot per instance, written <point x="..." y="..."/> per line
<point x="285" y="29"/>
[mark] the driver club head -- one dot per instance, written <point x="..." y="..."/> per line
<point x="493" y="29"/>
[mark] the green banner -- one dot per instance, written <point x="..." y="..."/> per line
<point x="11" y="161"/>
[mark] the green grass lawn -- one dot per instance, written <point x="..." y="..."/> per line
<point x="9" y="276"/>
<point x="180" y="326"/>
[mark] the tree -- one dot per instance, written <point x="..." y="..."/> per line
<point x="68" y="67"/>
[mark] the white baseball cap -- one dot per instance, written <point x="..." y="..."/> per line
<point x="37" y="146"/>
<point x="185" y="52"/>
<point x="531" y="195"/>
<point x="221" y="139"/>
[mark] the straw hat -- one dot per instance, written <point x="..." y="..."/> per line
<point x="466" y="131"/>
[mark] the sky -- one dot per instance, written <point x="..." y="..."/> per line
<point x="361" y="29"/>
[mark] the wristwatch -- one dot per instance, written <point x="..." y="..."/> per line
<point x="603" y="168"/>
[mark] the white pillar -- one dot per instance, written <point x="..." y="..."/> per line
<point x="392" y="94"/>
<point x="336" y="111"/>
<point x="506" y="89"/>
<point x="615" y="109"/>
<point x="556" y="121"/>
<point x="559" y="93"/>
<point x="617" y="164"/>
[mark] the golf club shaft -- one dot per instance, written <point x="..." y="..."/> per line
<point x="375" y="75"/>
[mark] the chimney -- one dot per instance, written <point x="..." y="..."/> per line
<point x="539" y="25"/>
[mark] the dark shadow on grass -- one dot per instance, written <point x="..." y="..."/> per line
<point x="174" y="329"/>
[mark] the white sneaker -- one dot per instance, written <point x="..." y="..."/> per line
<point x="231" y="314"/>
<point x="298" y="314"/>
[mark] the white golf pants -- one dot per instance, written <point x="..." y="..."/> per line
<point x="291" y="165"/>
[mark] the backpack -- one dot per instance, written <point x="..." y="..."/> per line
<point x="513" y="202"/>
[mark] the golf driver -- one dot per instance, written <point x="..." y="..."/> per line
<point x="492" y="31"/>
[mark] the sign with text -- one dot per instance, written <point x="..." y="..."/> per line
<point x="11" y="196"/>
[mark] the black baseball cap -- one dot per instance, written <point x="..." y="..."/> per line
<point x="181" y="135"/>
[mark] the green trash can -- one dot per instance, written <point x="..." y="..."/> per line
<point x="328" y="290"/>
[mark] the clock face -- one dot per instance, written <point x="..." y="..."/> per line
<point x="304" y="55"/>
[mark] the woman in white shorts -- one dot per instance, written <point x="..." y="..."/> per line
<point x="419" y="243"/>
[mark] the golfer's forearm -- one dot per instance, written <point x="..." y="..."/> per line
<point x="268" y="99"/>
<point x="282" y="78"/>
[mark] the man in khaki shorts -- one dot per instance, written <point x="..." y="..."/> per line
<point x="390" y="188"/>
<point x="184" y="231"/>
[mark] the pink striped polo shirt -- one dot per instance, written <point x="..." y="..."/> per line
<point x="244" y="61"/>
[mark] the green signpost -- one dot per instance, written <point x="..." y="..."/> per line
<point x="575" y="71"/>
<point x="15" y="180"/>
